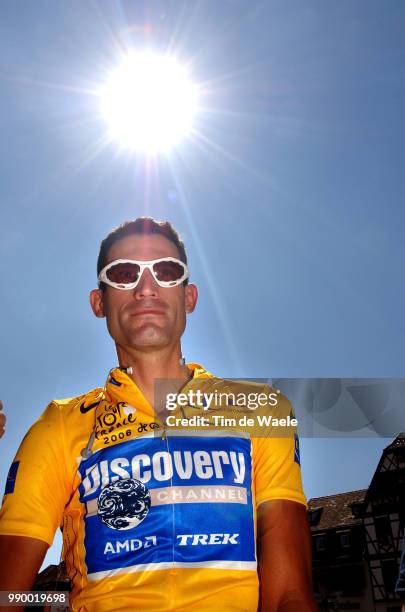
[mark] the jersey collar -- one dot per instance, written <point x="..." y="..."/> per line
<point x="119" y="387"/>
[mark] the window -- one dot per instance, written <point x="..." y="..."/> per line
<point x="348" y="580"/>
<point x="320" y="543"/>
<point x="357" y="509"/>
<point x="345" y="539"/>
<point x="390" y="571"/>
<point x="314" y="516"/>
<point x="383" y="530"/>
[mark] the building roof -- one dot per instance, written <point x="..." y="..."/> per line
<point x="399" y="441"/>
<point x="381" y="482"/>
<point x="53" y="578"/>
<point x="347" y="509"/>
<point x="334" y="511"/>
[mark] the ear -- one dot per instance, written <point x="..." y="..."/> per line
<point x="97" y="303"/>
<point x="190" y="297"/>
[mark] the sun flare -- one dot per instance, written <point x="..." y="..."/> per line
<point x="149" y="103"/>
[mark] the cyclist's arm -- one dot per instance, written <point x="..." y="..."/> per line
<point x="37" y="487"/>
<point x="20" y="561"/>
<point x="284" y="546"/>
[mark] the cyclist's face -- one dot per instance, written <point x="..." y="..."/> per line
<point x="148" y="316"/>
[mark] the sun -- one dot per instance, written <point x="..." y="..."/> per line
<point x="149" y="103"/>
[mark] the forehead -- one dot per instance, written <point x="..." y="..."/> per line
<point x="143" y="247"/>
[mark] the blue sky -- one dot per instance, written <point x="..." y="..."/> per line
<point x="289" y="200"/>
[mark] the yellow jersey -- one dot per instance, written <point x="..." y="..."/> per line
<point x="153" y="518"/>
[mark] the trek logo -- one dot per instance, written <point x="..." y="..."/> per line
<point x="207" y="539"/>
<point x="162" y="466"/>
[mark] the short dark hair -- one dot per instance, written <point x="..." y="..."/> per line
<point x="141" y="226"/>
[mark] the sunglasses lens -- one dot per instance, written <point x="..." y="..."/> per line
<point x="168" y="271"/>
<point x="124" y="273"/>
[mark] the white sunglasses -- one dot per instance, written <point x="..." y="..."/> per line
<point x="126" y="273"/>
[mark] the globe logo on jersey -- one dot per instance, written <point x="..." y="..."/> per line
<point x="124" y="504"/>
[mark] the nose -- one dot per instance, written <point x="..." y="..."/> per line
<point x="147" y="286"/>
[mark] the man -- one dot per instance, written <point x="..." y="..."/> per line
<point x="155" y="519"/>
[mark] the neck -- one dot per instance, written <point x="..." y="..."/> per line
<point x="147" y="367"/>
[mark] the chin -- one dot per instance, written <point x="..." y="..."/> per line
<point x="148" y="337"/>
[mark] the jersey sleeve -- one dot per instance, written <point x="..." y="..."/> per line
<point x="276" y="460"/>
<point x="37" y="485"/>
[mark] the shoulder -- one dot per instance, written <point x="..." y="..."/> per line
<point x="234" y="385"/>
<point x="63" y="423"/>
<point x="80" y="404"/>
<point x="254" y="395"/>
<point x="70" y="410"/>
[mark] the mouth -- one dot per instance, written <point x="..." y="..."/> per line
<point x="147" y="311"/>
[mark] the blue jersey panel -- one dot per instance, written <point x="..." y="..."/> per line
<point x="183" y="499"/>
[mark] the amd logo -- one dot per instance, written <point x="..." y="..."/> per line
<point x="189" y="539"/>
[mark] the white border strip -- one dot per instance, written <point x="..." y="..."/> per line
<point x="152" y="567"/>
